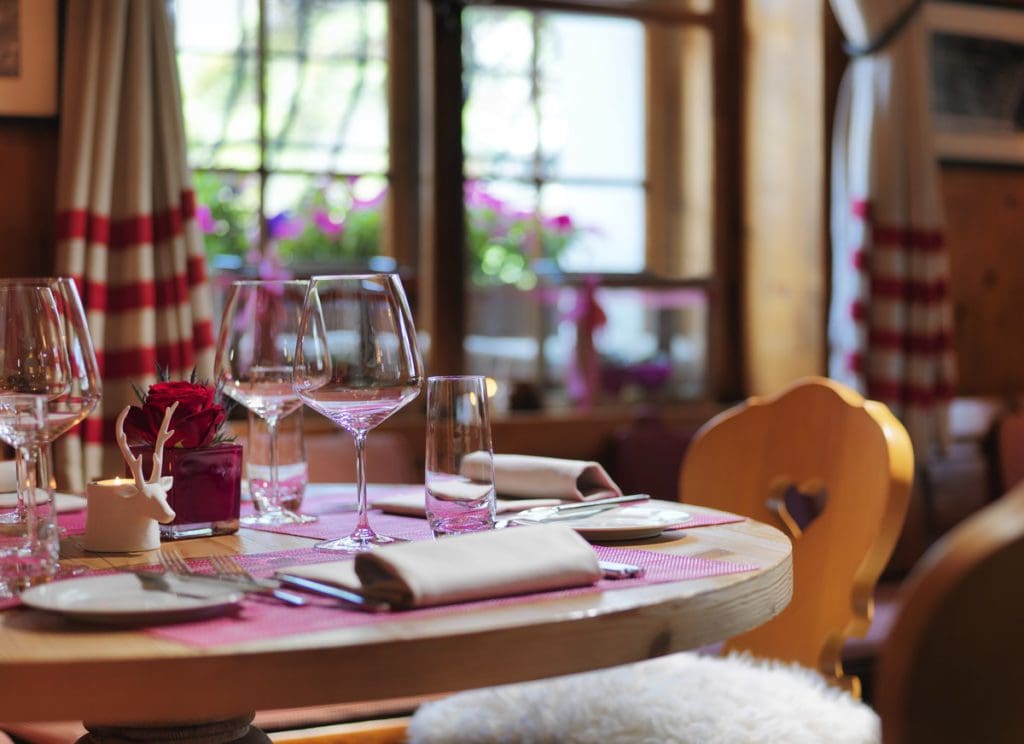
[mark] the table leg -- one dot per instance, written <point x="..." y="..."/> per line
<point x="228" y="731"/>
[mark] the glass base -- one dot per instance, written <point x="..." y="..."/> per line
<point x="359" y="541"/>
<point x="280" y="516"/>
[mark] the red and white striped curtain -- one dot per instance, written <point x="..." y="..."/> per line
<point x="126" y="228"/>
<point x="890" y="322"/>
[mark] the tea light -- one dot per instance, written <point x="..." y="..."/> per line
<point x="118" y="518"/>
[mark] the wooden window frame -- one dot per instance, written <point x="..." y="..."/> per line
<point x="427" y="208"/>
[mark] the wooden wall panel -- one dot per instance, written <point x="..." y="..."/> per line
<point x="985" y="231"/>
<point x="28" y="178"/>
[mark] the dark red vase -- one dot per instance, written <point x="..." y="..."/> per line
<point x="206" y="495"/>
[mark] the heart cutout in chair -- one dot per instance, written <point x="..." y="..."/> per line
<point x="798" y="507"/>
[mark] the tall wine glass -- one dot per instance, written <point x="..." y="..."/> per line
<point x="357" y="362"/>
<point x="254" y="365"/>
<point x="33" y="371"/>
<point x="84" y="384"/>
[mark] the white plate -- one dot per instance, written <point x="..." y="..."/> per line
<point x="66" y="502"/>
<point x="631" y="522"/>
<point x="120" y="599"/>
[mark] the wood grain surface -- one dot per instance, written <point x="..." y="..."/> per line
<point x="64" y="670"/>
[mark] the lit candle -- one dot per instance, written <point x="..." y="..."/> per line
<point x="119" y="519"/>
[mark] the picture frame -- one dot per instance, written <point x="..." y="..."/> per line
<point x="977" y="81"/>
<point x="28" y="57"/>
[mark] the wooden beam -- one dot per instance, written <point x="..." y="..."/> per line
<point x="442" y="287"/>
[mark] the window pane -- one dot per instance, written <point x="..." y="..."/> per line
<point x="217" y="63"/>
<point x="592" y="104"/>
<point x="605" y="226"/>
<point x="327" y="86"/>
<point x="312" y="219"/>
<point x="227" y="212"/>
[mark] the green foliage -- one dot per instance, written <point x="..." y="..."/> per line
<point x="330" y="223"/>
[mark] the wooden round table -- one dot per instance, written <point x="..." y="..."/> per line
<point x="54" y="669"/>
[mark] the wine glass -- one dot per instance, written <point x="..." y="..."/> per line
<point x="254" y="365"/>
<point x="84" y="384"/>
<point x="34" y="370"/>
<point x="357" y="362"/>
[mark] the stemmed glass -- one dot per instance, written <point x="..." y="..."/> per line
<point x="357" y="362"/>
<point x="84" y="384"/>
<point x="255" y="359"/>
<point x="34" y="371"/>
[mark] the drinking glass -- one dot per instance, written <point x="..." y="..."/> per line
<point x="458" y="431"/>
<point x="34" y="371"/>
<point x="254" y="365"/>
<point x="292" y="468"/>
<point x="357" y="362"/>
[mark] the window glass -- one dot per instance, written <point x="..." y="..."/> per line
<point x="309" y="189"/>
<point x="218" y="64"/>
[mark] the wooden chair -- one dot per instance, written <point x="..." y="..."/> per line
<point x="952" y="669"/>
<point x="819" y="461"/>
<point x="818" y="449"/>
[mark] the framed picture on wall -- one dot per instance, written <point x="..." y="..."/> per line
<point x="28" y="57"/>
<point x="977" y="85"/>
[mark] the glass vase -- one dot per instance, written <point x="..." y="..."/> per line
<point x="207" y="491"/>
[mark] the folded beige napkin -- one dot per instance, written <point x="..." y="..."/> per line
<point x="529" y="476"/>
<point x="414" y="504"/>
<point x="479" y="565"/>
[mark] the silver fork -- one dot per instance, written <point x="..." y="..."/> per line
<point x="172" y="561"/>
<point x="228" y="568"/>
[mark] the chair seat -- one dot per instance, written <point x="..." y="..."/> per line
<point x="677" y="698"/>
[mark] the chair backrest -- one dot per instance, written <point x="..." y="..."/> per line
<point x="952" y="668"/>
<point x="816" y="451"/>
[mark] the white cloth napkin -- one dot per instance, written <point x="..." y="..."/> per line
<point x="529" y="476"/>
<point x="479" y="565"/>
<point x="413" y="504"/>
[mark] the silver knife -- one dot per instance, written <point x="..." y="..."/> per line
<point x="357" y="601"/>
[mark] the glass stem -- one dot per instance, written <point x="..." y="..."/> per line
<point x="275" y="493"/>
<point x="363" y="524"/>
<point x="25" y="464"/>
<point x="46" y="472"/>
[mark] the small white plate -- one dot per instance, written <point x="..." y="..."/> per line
<point x="66" y="502"/>
<point x="120" y="599"/>
<point x="631" y="522"/>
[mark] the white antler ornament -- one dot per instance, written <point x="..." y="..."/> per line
<point x="154" y="488"/>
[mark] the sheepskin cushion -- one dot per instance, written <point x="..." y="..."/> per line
<point x="679" y="698"/>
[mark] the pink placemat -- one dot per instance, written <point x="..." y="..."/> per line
<point x="72" y="523"/>
<point x="334" y="506"/>
<point x="260" y="618"/>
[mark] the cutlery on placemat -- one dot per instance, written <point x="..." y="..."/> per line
<point x="176" y="565"/>
<point x="156" y="581"/>
<point x="615" y="570"/>
<point x="574" y="510"/>
<point x="346" y="596"/>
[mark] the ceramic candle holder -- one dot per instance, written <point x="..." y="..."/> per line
<point x="119" y="519"/>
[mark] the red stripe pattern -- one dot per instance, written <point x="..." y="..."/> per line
<point x="902" y="315"/>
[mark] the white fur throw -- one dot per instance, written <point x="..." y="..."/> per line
<point x="682" y="698"/>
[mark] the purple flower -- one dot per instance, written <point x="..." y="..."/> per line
<point x="283" y="226"/>
<point x="326" y="225"/>
<point x="204" y="218"/>
<point x="560" y="224"/>
<point x="477" y="196"/>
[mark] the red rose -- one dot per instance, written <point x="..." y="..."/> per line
<point x="195" y="421"/>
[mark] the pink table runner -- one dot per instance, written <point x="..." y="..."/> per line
<point x="335" y="505"/>
<point x="261" y="618"/>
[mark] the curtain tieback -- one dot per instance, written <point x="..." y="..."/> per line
<point x="891" y="32"/>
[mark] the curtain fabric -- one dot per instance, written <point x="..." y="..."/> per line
<point x="126" y="228"/>
<point x="890" y="322"/>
